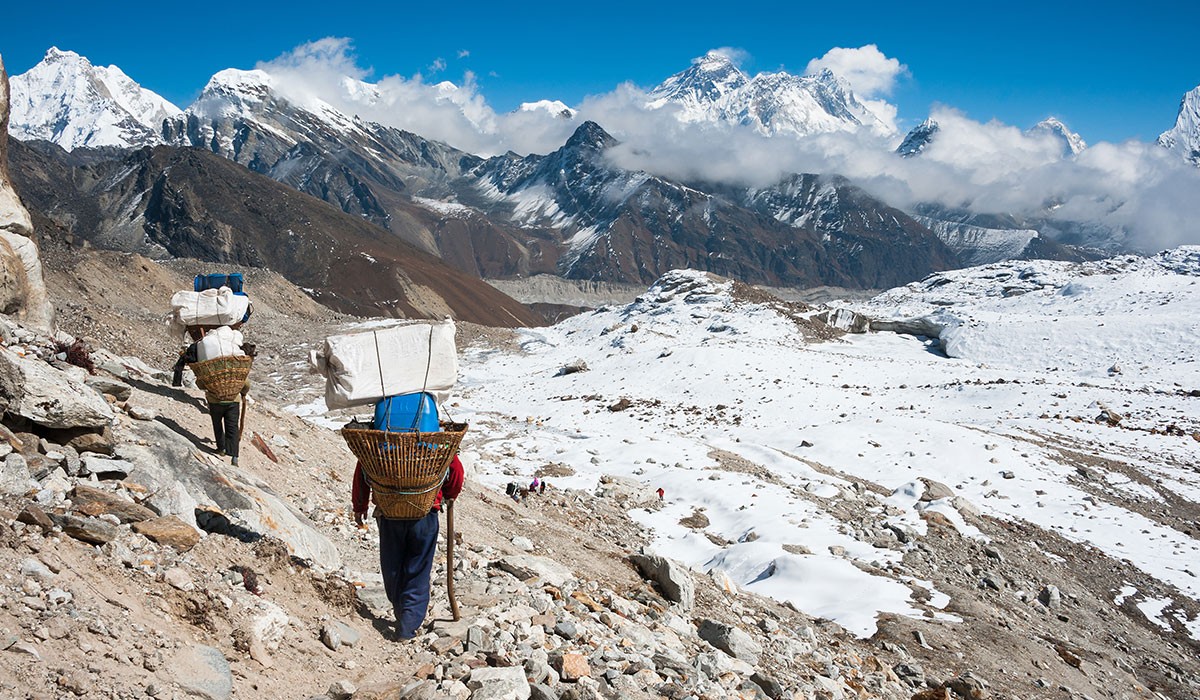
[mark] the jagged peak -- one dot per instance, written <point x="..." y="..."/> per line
<point x="591" y="136"/>
<point x="918" y="138"/>
<point x="238" y="78"/>
<point x="1073" y="142"/>
<point x="56" y="54"/>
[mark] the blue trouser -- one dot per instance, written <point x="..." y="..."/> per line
<point x="406" y="549"/>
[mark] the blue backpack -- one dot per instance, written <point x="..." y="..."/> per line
<point x="407" y="413"/>
<point x="233" y="280"/>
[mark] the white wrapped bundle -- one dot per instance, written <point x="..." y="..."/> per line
<point x="362" y="368"/>
<point x="212" y="307"/>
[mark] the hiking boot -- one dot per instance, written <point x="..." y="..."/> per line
<point x="233" y="461"/>
<point x="220" y="453"/>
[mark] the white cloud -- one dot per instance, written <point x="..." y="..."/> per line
<point x="438" y="65"/>
<point x="868" y="71"/>
<point x="463" y="53"/>
<point x="1140" y="188"/>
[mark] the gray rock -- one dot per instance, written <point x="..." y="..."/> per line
<point x="201" y="671"/>
<point x="117" y="389"/>
<point x="180" y="481"/>
<point x="49" y="397"/>
<point x="771" y="687"/>
<point x="731" y="640"/>
<point x="673" y="579"/>
<point x="375" y="598"/>
<point x="1050" y="597"/>
<point x="527" y="566"/>
<point x="15" y="479"/>
<point x="341" y="690"/>
<point x="104" y="467"/>
<point x="566" y="629"/>
<point x="499" y="683"/>
<point x="90" y="530"/>
<point x="628" y="492"/>
<point x="935" y="490"/>
<point x="540" y="691"/>
<point x="331" y="636"/>
<point x="350" y="636"/>
<point x="141" y="413"/>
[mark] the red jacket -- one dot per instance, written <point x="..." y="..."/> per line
<point x="360" y="495"/>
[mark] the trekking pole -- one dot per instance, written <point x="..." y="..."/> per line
<point x="450" y="559"/>
<point x="242" y="422"/>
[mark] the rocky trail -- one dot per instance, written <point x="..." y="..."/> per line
<point x="137" y="564"/>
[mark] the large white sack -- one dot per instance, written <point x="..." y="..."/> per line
<point x="212" y="307"/>
<point x="219" y="342"/>
<point x="414" y="357"/>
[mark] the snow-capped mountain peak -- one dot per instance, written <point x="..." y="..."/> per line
<point x="714" y="90"/>
<point x="1184" y="137"/>
<point x="1073" y="143"/>
<point x="710" y="80"/>
<point x="918" y="139"/>
<point x="67" y="100"/>
<point x="554" y="108"/>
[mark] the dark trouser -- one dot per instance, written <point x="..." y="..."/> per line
<point x="406" y="549"/>
<point x="225" y="426"/>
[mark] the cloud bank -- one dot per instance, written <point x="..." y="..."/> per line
<point x="1142" y="191"/>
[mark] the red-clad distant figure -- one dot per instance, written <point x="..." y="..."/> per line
<point x="660" y="493"/>
<point x="406" y="549"/>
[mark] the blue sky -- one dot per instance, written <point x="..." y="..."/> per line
<point x="1111" y="71"/>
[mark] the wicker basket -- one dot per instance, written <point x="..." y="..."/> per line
<point x="405" y="470"/>
<point x="223" y="377"/>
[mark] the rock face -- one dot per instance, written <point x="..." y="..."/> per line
<point x="32" y="389"/>
<point x="22" y="291"/>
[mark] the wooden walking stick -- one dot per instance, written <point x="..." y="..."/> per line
<point x="450" y="559"/>
<point x="242" y="422"/>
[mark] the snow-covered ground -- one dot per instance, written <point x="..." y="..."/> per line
<point x="1030" y="370"/>
<point x="745" y="418"/>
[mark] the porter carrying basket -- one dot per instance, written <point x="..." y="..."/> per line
<point x="223" y="377"/>
<point x="404" y="469"/>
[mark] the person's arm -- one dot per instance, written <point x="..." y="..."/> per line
<point x="360" y="495"/>
<point x="454" y="480"/>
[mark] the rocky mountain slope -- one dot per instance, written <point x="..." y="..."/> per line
<point x="104" y="601"/>
<point x="168" y="202"/>
<point x="514" y="216"/>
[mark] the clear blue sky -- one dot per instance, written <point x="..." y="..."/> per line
<point x="1111" y="71"/>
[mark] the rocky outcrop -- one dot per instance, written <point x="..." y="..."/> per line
<point x="22" y="291"/>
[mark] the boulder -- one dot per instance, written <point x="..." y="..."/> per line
<point x="628" y="492"/>
<point x="180" y="480"/>
<point x="95" y="502"/>
<point x="201" y="671"/>
<point x="15" y="479"/>
<point x="731" y="640"/>
<point x="22" y="289"/>
<point x="117" y="389"/>
<point x="85" y="529"/>
<point x="168" y="530"/>
<point x="498" y="683"/>
<point x="526" y="566"/>
<point x="49" y="397"/>
<point x="673" y="579"/>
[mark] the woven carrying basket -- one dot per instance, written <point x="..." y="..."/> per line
<point x="405" y="470"/>
<point x="223" y="377"/>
